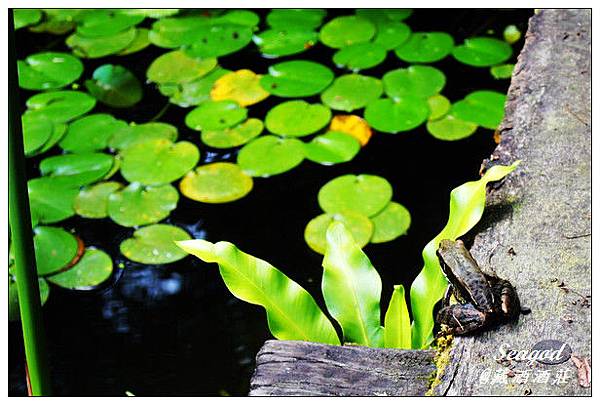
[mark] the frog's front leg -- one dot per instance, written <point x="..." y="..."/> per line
<point x="462" y="318"/>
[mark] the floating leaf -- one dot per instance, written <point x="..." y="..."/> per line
<point x="301" y="18"/>
<point x="419" y="81"/>
<point x="215" y="115"/>
<point x="393" y="116"/>
<point x="346" y="30"/>
<point x="98" y="47"/>
<point x="291" y="312"/>
<point x="391" y="34"/>
<point x="384" y="14"/>
<point x="511" y="34"/>
<point x="270" y="155"/>
<point x="234" y="136"/>
<point x="297" y="118"/>
<point x="425" y="47"/>
<point x="357" y="224"/>
<point x="36" y="132"/>
<point x="137" y="205"/>
<point x="133" y="134"/>
<point x="195" y="92"/>
<point x="24" y="17"/>
<point x="57" y="21"/>
<point x="176" y="32"/>
<point x="397" y="334"/>
<point x="278" y="42"/>
<point x="483" y="107"/>
<point x="352" y="125"/>
<point x="482" y="51"/>
<point x="352" y="288"/>
<point x="451" y="128"/>
<point x="297" y="78"/>
<point x="331" y="148"/>
<point x="158" y="161"/>
<point x="217" y="40"/>
<point x="155" y="244"/>
<point x="13" y="296"/>
<point x="151" y="12"/>
<point x="502" y="71"/>
<point x="365" y="194"/>
<point x="92" y="201"/>
<point x="246" y="18"/>
<point x="438" y="106"/>
<point x="216" y="183"/>
<point x="390" y="223"/>
<point x="91" y="270"/>
<point x="241" y="86"/>
<point x="55" y="248"/>
<point x="115" y="86"/>
<point x="360" y="56"/>
<point x="178" y="67"/>
<point x="91" y="133"/>
<point x="58" y="131"/>
<point x="51" y="199"/>
<point x="104" y="22"/>
<point x="140" y="41"/>
<point x="61" y="106"/>
<point x="77" y="169"/>
<point x="351" y="92"/>
<point x="48" y="70"/>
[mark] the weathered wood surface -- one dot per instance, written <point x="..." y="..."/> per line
<point x="537" y="232"/>
<point x="302" y="368"/>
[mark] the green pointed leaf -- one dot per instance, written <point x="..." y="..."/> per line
<point x="297" y="78"/>
<point x="315" y="233"/>
<point x="482" y="51"/>
<point x="115" y="86"/>
<point x="91" y="270"/>
<point x="48" y="70"/>
<point x="278" y="42"/>
<point x="360" y="56"/>
<point x="425" y="47"/>
<point x="216" y="183"/>
<point x="397" y="322"/>
<point x="91" y="133"/>
<point x="347" y="30"/>
<point x="390" y="223"/>
<point x="155" y="244"/>
<point x="54" y="247"/>
<point x="399" y="115"/>
<point x="297" y="118"/>
<point x="351" y="92"/>
<point x="332" y="148"/>
<point x="270" y="155"/>
<point x="51" y="199"/>
<point x="78" y="169"/>
<point x="137" y="205"/>
<point x="365" y="194"/>
<point x="92" y="201"/>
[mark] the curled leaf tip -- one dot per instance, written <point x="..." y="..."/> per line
<point x="337" y="234"/>
<point x="200" y="248"/>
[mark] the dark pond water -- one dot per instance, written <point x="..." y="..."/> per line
<point x="175" y="329"/>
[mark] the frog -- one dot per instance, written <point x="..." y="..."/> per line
<point x="484" y="299"/>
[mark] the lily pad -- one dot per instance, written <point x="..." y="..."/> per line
<point x="297" y="78"/>
<point x="365" y="194"/>
<point x="502" y="71"/>
<point x="133" y="134"/>
<point x="391" y="34"/>
<point x="390" y="223"/>
<point x="216" y="183"/>
<point x="98" y="47"/>
<point x="359" y="226"/>
<point x="385" y="14"/>
<point x="58" y="131"/>
<point x="48" y="70"/>
<point x="158" y="161"/>
<point x="347" y="30"/>
<point x="360" y="56"/>
<point x="115" y="86"/>
<point x="215" y="115"/>
<point x="451" y="128"/>
<point x="151" y="12"/>
<point x="24" y="17"/>
<point x="195" y="92"/>
<point x="155" y="244"/>
<point x="234" y="136"/>
<point x="352" y="125"/>
<point x="297" y="118"/>
<point x="220" y="39"/>
<point x="103" y="22"/>
<point x="36" y="132"/>
<point x="393" y="116"/>
<point x="92" y="201"/>
<point x="301" y="18"/>
<point x="277" y="42"/>
<point x="77" y="169"/>
<point x="511" y="34"/>
<point x="241" y="86"/>
<point x="137" y="205"/>
<point x="482" y="51"/>
<point x="91" y="133"/>
<point x="351" y="92"/>
<point x="13" y="297"/>
<point x="246" y="18"/>
<point x="178" y="67"/>
<point x="176" y="32"/>
<point x="419" y="81"/>
<point x="140" y="41"/>
<point x="61" y="106"/>
<point x="55" y="248"/>
<point x="332" y="148"/>
<point x="438" y="106"/>
<point x="91" y="270"/>
<point x="270" y="155"/>
<point x="51" y="199"/>
<point x="483" y="107"/>
<point x="425" y="47"/>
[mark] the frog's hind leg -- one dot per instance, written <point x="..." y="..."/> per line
<point x="448" y="295"/>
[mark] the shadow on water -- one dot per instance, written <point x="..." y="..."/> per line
<point x="175" y="329"/>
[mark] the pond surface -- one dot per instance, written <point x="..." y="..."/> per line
<point x="175" y="329"/>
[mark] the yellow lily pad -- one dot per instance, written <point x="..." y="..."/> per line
<point x="352" y="125"/>
<point x="242" y="86"/>
<point x="216" y="183"/>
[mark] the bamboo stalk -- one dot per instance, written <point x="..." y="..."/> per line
<point x="22" y="235"/>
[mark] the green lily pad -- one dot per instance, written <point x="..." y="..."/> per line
<point x="151" y="12"/>
<point x="133" y="134"/>
<point x="176" y="32"/>
<point x="360" y="56"/>
<point x="36" y="132"/>
<point x="234" y="136"/>
<point x="137" y="205"/>
<point x="91" y="133"/>
<point x="216" y="183"/>
<point x="425" y="47"/>
<point x="94" y="267"/>
<point x="216" y="40"/>
<point x="391" y="34"/>
<point x="270" y="155"/>
<point x="277" y="42"/>
<point x="158" y="161"/>
<point x="365" y="194"/>
<point x="61" y="106"/>
<point x="419" y="81"/>
<point x="438" y="106"/>
<point x="140" y="41"/>
<point x="195" y="92"/>
<point x="13" y="296"/>
<point x="104" y="22"/>
<point x="215" y="115"/>
<point x="332" y="148"/>
<point x="246" y="18"/>
<point x="393" y="116"/>
<point x="51" y="199"/>
<point x="24" y="17"/>
<point x="98" y="47"/>
<point x="92" y="201"/>
<point x="301" y="18"/>
<point x="115" y="86"/>
<point x="385" y="14"/>
<point x="297" y="78"/>
<point x="482" y="52"/>
<point x="451" y="128"/>
<point x="483" y="107"/>
<point x="390" y="223"/>
<point x="155" y="244"/>
<point x="54" y="247"/>
<point x="347" y="30"/>
<point x="511" y="34"/>
<point x="58" y="131"/>
<point x="359" y="226"/>
<point x="179" y="67"/>
<point x="48" y="70"/>
<point x="351" y="92"/>
<point x="502" y="71"/>
<point x="77" y="169"/>
<point x="297" y="118"/>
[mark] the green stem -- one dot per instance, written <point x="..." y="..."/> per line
<point x="22" y="235"/>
